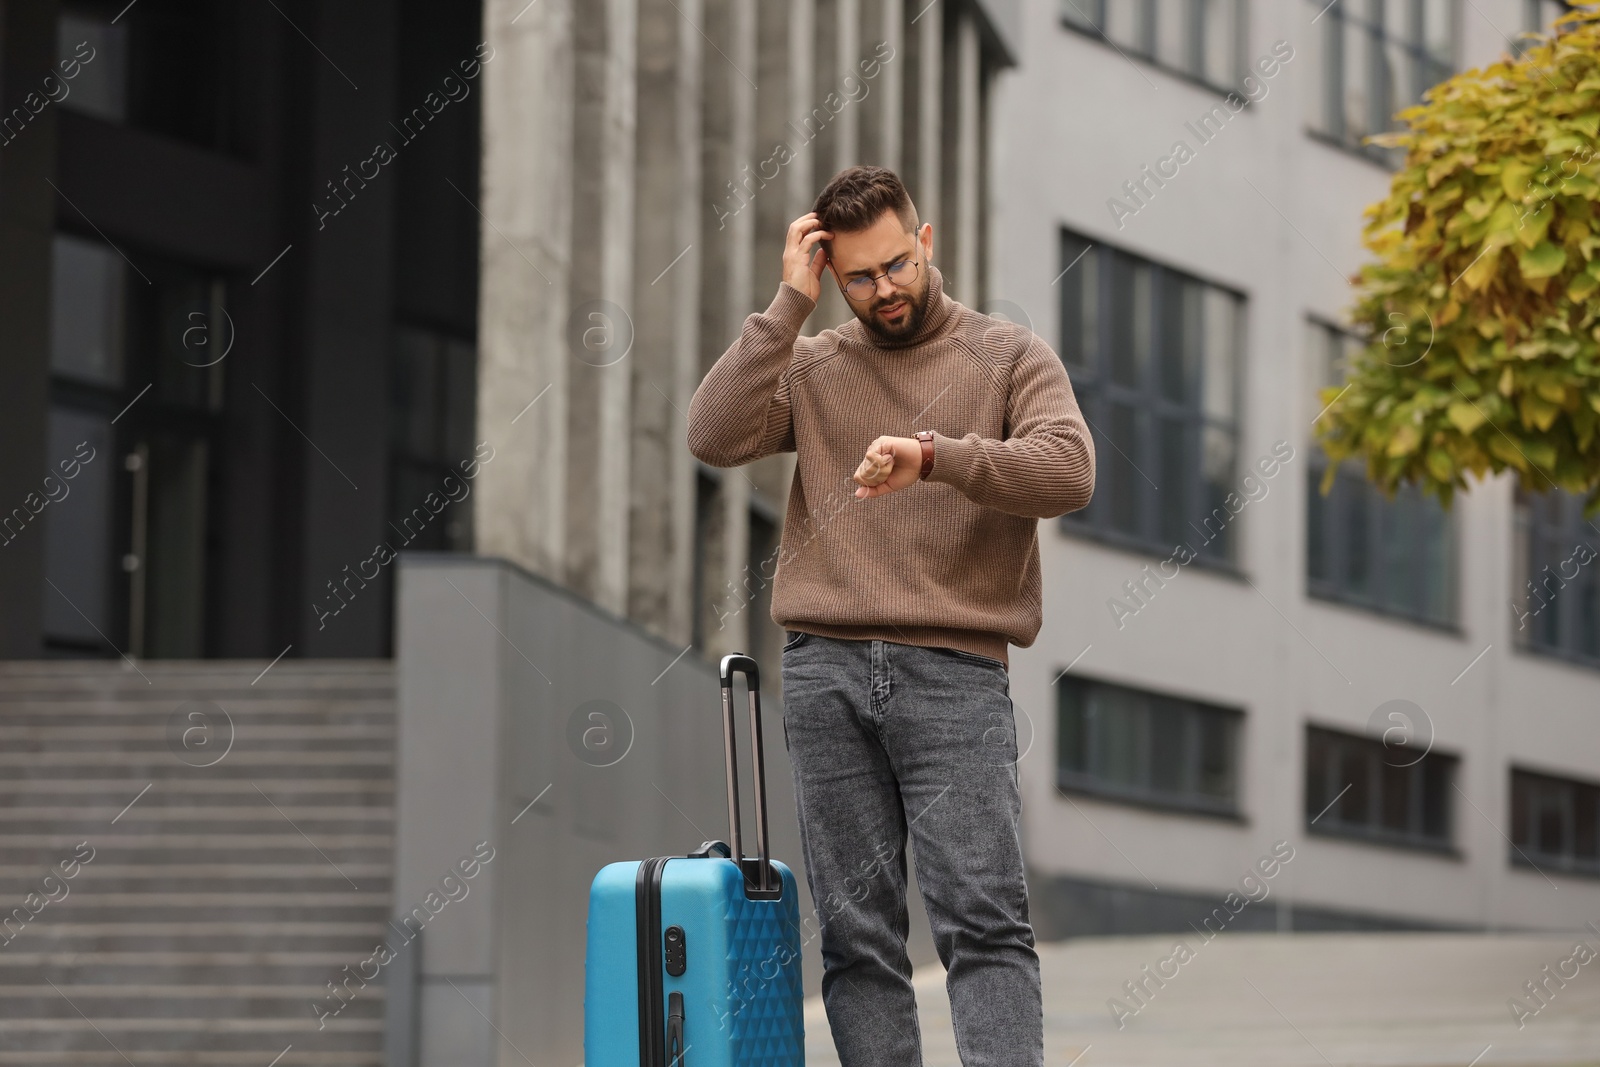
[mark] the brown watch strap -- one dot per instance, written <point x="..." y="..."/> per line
<point x="926" y="437"/>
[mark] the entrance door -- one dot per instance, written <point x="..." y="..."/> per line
<point x="137" y="358"/>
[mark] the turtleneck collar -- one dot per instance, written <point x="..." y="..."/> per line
<point x="941" y="313"/>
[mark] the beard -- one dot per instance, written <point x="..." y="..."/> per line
<point x="910" y="321"/>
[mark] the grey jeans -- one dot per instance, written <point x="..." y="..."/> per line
<point x="886" y="740"/>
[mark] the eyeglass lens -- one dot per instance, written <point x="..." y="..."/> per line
<point x="901" y="274"/>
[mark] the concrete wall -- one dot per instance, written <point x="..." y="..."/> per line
<point x="492" y="665"/>
<point x="1274" y="213"/>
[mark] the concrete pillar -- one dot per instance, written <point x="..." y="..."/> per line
<point x="825" y="52"/>
<point x="773" y="107"/>
<point x="890" y="87"/>
<point x="612" y="485"/>
<point x="733" y="636"/>
<point x="928" y="25"/>
<point x="664" y="364"/>
<point x="847" y="40"/>
<point x="969" y="60"/>
<point x="685" y="281"/>
<point x="526" y="201"/>
<point x="592" y="323"/>
<point x="802" y="90"/>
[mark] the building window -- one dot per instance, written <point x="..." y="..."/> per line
<point x="433" y="405"/>
<point x="1146" y="748"/>
<point x="1537" y="18"/>
<point x="100" y="47"/>
<point x="164" y="66"/>
<point x="1200" y="39"/>
<point x="1153" y="355"/>
<point x="1555" y="822"/>
<point x="136" y="398"/>
<point x="708" y="533"/>
<point x="764" y="639"/>
<point x="1378" y="57"/>
<point x="1357" y="787"/>
<point x="1398" y="555"/>
<point x="1557" y="601"/>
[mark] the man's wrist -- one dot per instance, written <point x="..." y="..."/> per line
<point x="925" y="437"/>
<point x="791" y="306"/>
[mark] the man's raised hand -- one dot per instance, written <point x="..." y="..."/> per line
<point x="803" y="262"/>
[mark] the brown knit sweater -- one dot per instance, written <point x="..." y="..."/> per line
<point x="950" y="561"/>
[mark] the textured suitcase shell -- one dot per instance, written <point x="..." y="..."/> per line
<point x="741" y="985"/>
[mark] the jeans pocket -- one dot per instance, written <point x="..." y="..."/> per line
<point x="794" y="639"/>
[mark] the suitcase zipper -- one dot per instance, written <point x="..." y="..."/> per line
<point x="647" y="922"/>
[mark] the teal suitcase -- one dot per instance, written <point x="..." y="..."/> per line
<point x="694" y="960"/>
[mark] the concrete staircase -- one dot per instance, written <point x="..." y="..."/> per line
<point x="237" y="831"/>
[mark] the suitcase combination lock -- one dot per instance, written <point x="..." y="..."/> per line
<point x="676" y="956"/>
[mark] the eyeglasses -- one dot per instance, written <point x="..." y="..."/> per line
<point x="901" y="274"/>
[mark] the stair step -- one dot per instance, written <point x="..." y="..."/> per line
<point x="335" y="861"/>
<point x="250" y="825"/>
<point x="195" y="840"/>
<point x="221" y="899"/>
<point x="99" y="870"/>
<point x="160" y="1048"/>
<point x="350" y="948"/>
<point x="376" y="789"/>
<point x="148" y="991"/>
<point x="146" y="958"/>
<point x="146" y="811"/>
<point x="292" y="911"/>
<point x="188" y="898"/>
<point x="55" y="731"/>
<point x="122" y="757"/>
<point x="16" y="675"/>
<point x="209" y="929"/>
<point x="193" y="1058"/>
<point x="113" y="1024"/>
<point x="13" y="891"/>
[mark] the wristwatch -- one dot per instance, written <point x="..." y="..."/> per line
<point x="926" y="437"/>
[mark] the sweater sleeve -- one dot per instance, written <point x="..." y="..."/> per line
<point x="1045" y="467"/>
<point x="741" y="410"/>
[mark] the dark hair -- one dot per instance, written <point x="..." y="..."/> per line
<point x="857" y="197"/>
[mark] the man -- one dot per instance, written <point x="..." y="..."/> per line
<point x="901" y="586"/>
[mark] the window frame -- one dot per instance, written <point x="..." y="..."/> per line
<point x="1097" y="391"/>
<point x="1093" y="783"/>
<point x="1337" y="507"/>
<point x="185" y="411"/>
<point x="1527" y="531"/>
<point x="1534" y="22"/>
<point x="1379" y="511"/>
<point x="1316" y="811"/>
<point x="217" y="71"/>
<point x="1093" y="22"/>
<point x="1523" y="851"/>
<point x="422" y="461"/>
<point x="1369" y="24"/>
<point x="709" y="525"/>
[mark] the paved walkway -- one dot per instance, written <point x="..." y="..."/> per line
<point x="1318" y="1000"/>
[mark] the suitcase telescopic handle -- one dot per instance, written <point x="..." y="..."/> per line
<point x="732" y="663"/>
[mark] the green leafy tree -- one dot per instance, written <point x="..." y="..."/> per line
<point x="1481" y="309"/>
